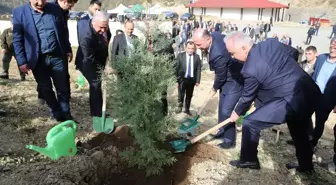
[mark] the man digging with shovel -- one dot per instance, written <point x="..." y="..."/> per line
<point x="227" y="80"/>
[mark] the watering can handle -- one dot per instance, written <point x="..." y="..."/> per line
<point x="58" y="128"/>
<point x="204" y="134"/>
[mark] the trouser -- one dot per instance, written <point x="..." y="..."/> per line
<point x="309" y="38"/>
<point x="298" y="130"/>
<point x="266" y="32"/>
<point x="227" y="103"/>
<point x="317" y="31"/>
<point x="185" y="92"/>
<point x="53" y="67"/>
<point x="93" y="75"/>
<point x="39" y="94"/>
<point x="321" y="116"/>
<point x="334" y="144"/>
<point x="332" y="34"/>
<point x="164" y="102"/>
<point x="257" y="36"/>
<point x="6" y="59"/>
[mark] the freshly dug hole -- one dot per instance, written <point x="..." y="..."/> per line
<point x="98" y="163"/>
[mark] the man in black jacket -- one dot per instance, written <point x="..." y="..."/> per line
<point x="123" y="43"/>
<point x="188" y="74"/>
<point x="91" y="57"/>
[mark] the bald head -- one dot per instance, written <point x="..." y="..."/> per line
<point x="202" y="39"/>
<point x="238" y="44"/>
<point x="100" y="21"/>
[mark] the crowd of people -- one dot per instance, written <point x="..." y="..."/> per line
<point x="249" y="67"/>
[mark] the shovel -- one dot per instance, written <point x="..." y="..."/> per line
<point x="103" y="124"/>
<point x="189" y="125"/>
<point x="181" y="145"/>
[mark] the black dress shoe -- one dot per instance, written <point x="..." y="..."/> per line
<point x="2" y="113"/>
<point x="245" y="164"/>
<point x="226" y="145"/>
<point x="299" y="169"/>
<point x="219" y="134"/>
<point x="4" y="76"/>
<point x="290" y="142"/>
<point x="188" y="112"/>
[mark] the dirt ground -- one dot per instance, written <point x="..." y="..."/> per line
<point x="98" y="162"/>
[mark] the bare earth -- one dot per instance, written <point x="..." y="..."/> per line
<point x="28" y="123"/>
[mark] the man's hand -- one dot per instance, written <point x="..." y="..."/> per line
<point x="70" y="56"/>
<point x="334" y="111"/>
<point x="212" y="93"/>
<point x="234" y="116"/>
<point x="24" y="68"/>
<point x="197" y="84"/>
<point x="3" y="51"/>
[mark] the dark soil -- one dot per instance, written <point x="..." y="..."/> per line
<point x="98" y="163"/>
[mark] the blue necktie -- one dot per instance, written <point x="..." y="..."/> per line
<point x="189" y="67"/>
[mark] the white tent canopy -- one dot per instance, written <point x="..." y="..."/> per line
<point x="120" y="9"/>
<point x="156" y="9"/>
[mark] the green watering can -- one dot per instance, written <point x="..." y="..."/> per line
<point x="81" y="81"/>
<point x="60" y="140"/>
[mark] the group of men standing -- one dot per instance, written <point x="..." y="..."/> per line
<point x="263" y="73"/>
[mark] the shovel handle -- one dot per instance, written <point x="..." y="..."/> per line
<point x="104" y="96"/>
<point x="204" y="134"/>
<point x="203" y="106"/>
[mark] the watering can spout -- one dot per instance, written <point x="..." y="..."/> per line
<point x="45" y="151"/>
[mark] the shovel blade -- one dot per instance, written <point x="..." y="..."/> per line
<point x="188" y="125"/>
<point x="180" y="145"/>
<point x="103" y="125"/>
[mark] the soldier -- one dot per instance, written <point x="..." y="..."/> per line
<point x="8" y="52"/>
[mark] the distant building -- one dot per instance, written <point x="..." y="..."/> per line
<point x="254" y="10"/>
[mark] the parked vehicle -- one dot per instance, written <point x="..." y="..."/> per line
<point x="188" y="16"/>
<point x="169" y="15"/>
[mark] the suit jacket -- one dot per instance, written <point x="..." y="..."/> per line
<point x="181" y="66"/>
<point x="218" y="27"/>
<point x="119" y="47"/>
<point x="93" y="48"/>
<point x="330" y="89"/>
<point x="227" y="70"/>
<point x="25" y="38"/>
<point x="303" y="65"/>
<point x="271" y="75"/>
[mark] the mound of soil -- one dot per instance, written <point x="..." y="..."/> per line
<point x="98" y="162"/>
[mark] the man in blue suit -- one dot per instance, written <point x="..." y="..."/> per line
<point x="227" y="80"/>
<point x="325" y="77"/>
<point x="282" y="92"/>
<point x="41" y="45"/>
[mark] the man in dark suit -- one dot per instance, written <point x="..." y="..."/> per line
<point x="325" y="77"/>
<point x="123" y="43"/>
<point x="188" y="74"/>
<point x="91" y="57"/>
<point x="282" y="92"/>
<point x="95" y="5"/>
<point x="228" y="80"/>
<point x="41" y="45"/>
